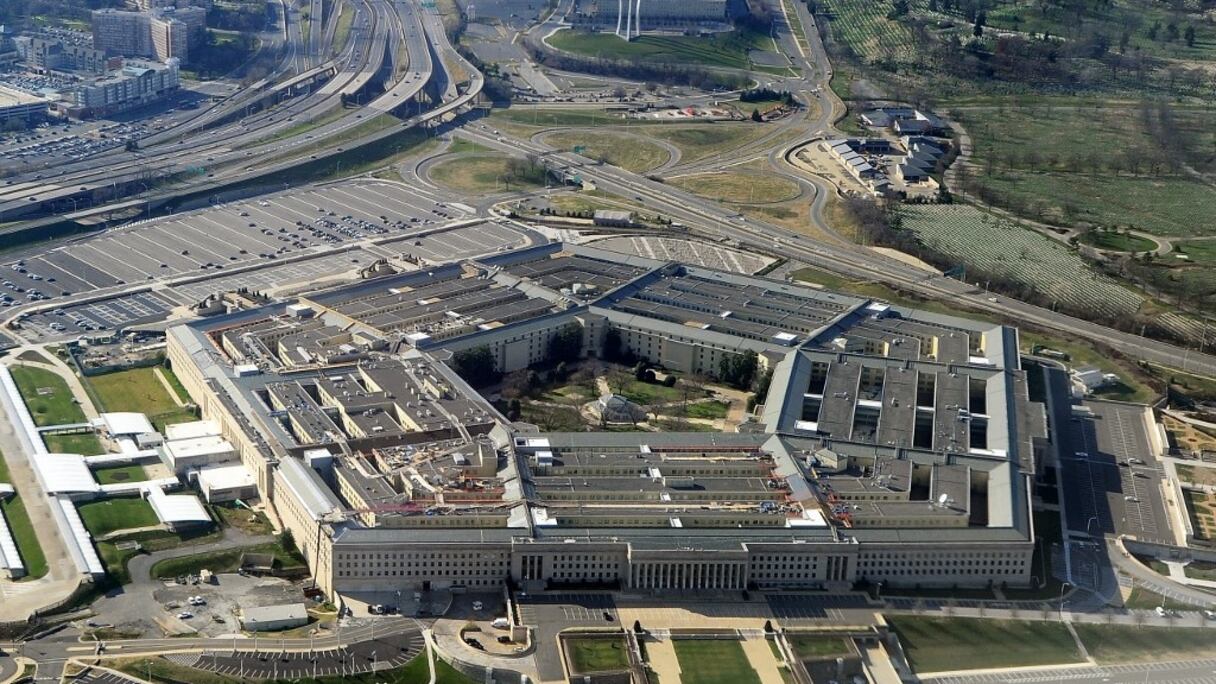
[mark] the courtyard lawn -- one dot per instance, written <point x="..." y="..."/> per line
<point x="814" y="647"/>
<point x="589" y="655"/>
<point x="85" y="444"/>
<point x="119" y="474"/>
<point x="141" y="391"/>
<point x="47" y="396"/>
<point x="22" y="527"/>
<point x="110" y="515"/>
<point x="944" y="644"/>
<point x="713" y="661"/>
<point x="712" y="410"/>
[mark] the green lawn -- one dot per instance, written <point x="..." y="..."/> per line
<point x="707" y="409"/>
<point x="623" y="151"/>
<point x="480" y="173"/>
<point x="1123" y="644"/>
<point x="588" y="654"/>
<point x="1168" y="206"/>
<point x="85" y="444"/>
<point x="120" y="513"/>
<point x="1146" y="599"/>
<point x="1118" y="242"/>
<point x="118" y="474"/>
<point x="1202" y="570"/>
<point x="138" y="390"/>
<point x="735" y="186"/>
<point x="22" y="527"/>
<point x="699" y="141"/>
<point x="115" y="560"/>
<point x="228" y="560"/>
<point x="722" y="50"/>
<point x="646" y="394"/>
<point x="713" y="661"/>
<point x="47" y="396"/>
<point x="942" y="644"/>
<point x="241" y="518"/>
<point x="813" y="647"/>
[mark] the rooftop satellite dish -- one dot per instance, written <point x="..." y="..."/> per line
<point x="943" y="499"/>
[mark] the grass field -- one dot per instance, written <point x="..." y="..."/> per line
<point x="85" y="444"/>
<point x="713" y="661"/>
<point x="723" y="50"/>
<point x="712" y="410"/>
<point x="596" y="655"/>
<point x="141" y="391"/>
<point x="110" y="515"/>
<point x="1117" y="242"/>
<point x="1196" y="474"/>
<point x="478" y="174"/>
<point x="810" y="647"/>
<point x="1167" y="206"/>
<point x="228" y="560"/>
<point x="624" y="151"/>
<point x="1201" y="508"/>
<point x="994" y="246"/>
<point x="22" y="527"/>
<point x="1145" y="599"/>
<point x="942" y="644"/>
<point x="118" y="474"/>
<point x="47" y="396"/>
<point x="699" y="141"/>
<point x="249" y="522"/>
<point x="1125" y="644"/>
<point x="734" y="186"/>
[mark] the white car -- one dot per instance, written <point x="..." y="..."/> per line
<point x="185" y="615"/>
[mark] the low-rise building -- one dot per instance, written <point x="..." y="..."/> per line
<point x="274" y="618"/>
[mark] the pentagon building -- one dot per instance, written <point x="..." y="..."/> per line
<point x="894" y="445"/>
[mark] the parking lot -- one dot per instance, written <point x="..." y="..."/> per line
<point x="437" y="245"/>
<point x="1112" y="478"/>
<point x="220" y="614"/>
<point x="462" y="243"/>
<point x="110" y="314"/>
<point x="803" y="609"/>
<point x="381" y="653"/>
<point x="687" y="251"/>
<point x="94" y="676"/>
<point x="552" y="613"/>
<point x="211" y="240"/>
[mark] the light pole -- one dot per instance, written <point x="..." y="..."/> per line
<point x="1063" y="586"/>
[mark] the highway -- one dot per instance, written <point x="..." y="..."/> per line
<point x="382" y="26"/>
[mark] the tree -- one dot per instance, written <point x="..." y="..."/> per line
<point x="476" y="365"/>
<point x="738" y="370"/>
<point x="1189" y="36"/>
<point x="981" y="19"/>
<point x="567" y="343"/>
<point x="756" y="115"/>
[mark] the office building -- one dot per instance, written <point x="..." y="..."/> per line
<point x="894" y="445"/>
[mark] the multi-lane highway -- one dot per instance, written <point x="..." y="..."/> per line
<point x="382" y="30"/>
